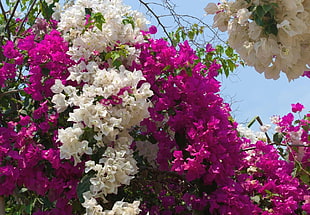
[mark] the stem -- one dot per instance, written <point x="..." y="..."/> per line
<point x="7" y="26"/>
<point x="1" y="37"/>
<point x="3" y="12"/>
<point x="9" y="92"/>
<point x="297" y="161"/>
<point x="25" y="18"/>
<point x="261" y="123"/>
<point x="157" y="18"/>
<point x="2" y="211"/>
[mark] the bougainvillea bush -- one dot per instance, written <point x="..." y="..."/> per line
<point x="97" y="117"/>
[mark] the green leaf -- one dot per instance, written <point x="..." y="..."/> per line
<point x="294" y="172"/>
<point x="260" y="12"/>
<point x="258" y="20"/>
<point x="166" y="67"/>
<point x="46" y="202"/>
<point x="267" y="7"/>
<point x="219" y="50"/>
<point x="305" y="178"/>
<point x="88" y="11"/>
<point x="45" y="71"/>
<point x="115" y="56"/>
<point x="271" y="28"/>
<point x="231" y="65"/>
<point x="117" y="63"/>
<point x="99" y="20"/>
<point x="191" y="35"/>
<point x="84" y="185"/>
<point x="277" y="138"/>
<point x="229" y="51"/>
<point x="256" y="199"/>
<point x="271" y="193"/>
<point x="129" y="20"/>
<point x="47" y="11"/>
<point x="29" y="208"/>
<point x="183" y="35"/>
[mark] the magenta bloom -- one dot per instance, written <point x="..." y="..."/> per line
<point x="9" y="50"/>
<point x="153" y="29"/>
<point x="297" y="107"/>
<point x="306" y="74"/>
<point x="209" y="48"/>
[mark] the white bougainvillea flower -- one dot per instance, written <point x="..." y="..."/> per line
<point x="243" y="15"/>
<point x="72" y="146"/>
<point x="60" y="102"/>
<point x="211" y="8"/>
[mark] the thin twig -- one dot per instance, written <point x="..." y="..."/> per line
<point x="9" y="92"/>
<point x="1" y="37"/>
<point x="26" y="16"/>
<point x="247" y="149"/>
<point x="278" y="144"/>
<point x="11" y="17"/>
<point x="292" y="145"/>
<point x="2" y="206"/>
<point x="298" y="162"/>
<point x="3" y="12"/>
<point x="180" y="20"/>
<point x="157" y="18"/>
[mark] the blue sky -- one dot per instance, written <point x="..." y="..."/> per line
<point x="248" y="91"/>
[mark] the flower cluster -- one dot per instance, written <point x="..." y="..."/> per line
<point x="294" y="133"/>
<point x="190" y="124"/>
<point x="278" y="186"/>
<point x="48" y="56"/>
<point x="270" y="184"/>
<point x="108" y="100"/>
<point x="272" y="36"/>
<point x="8" y="69"/>
<point x="108" y="23"/>
<point x="119" y="208"/>
<point x="29" y="154"/>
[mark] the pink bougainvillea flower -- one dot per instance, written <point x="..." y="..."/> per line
<point x="297" y="107"/>
<point x="209" y="48"/>
<point x="152" y="29"/>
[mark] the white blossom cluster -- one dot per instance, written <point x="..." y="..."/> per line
<point x="288" y="51"/>
<point x="106" y="119"/>
<point x="250" y="134"/>
<point x="119" y="208"/>
<point x="109" y="99"/>
<point x="116" y="167"/>
<point x="120" y="24"/>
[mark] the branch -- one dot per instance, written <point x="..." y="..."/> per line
<point x="26" y="16"/>
<point x="157" y="18"/>
<point x="3" y="12"/>
<point x="247" y="149"/>
<point x="9" y="92"/>
<point x="2" y="206"/>
<point x="11" y="17"/>
<point x="278" y="144"/>
<point x="181" y="20"/>
<point x="288" y="145"/>
<point x="298" y="162"/>
<point x="1" y="37"/>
